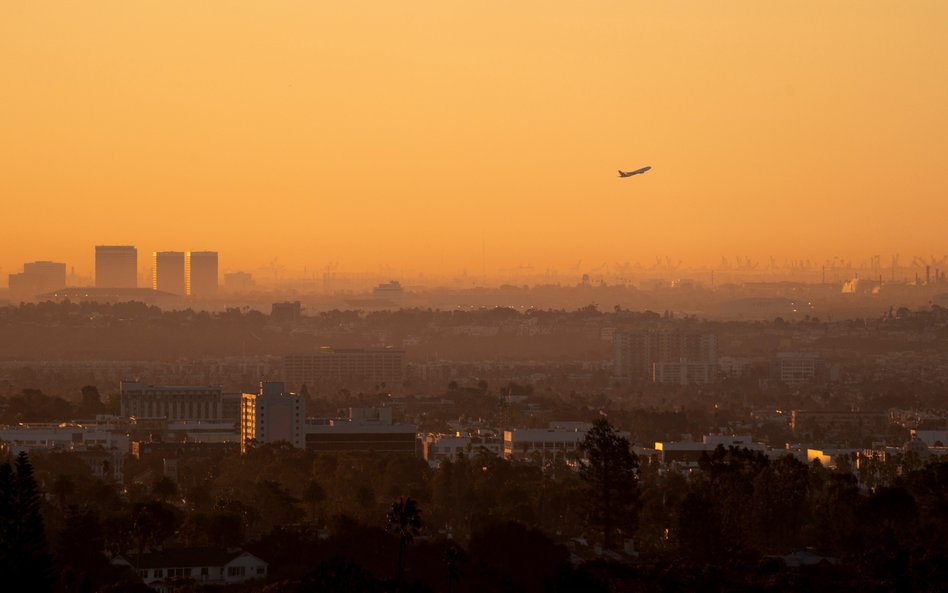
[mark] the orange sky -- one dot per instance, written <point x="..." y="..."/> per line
<point x="406" y="135"/>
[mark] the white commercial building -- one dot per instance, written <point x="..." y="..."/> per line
<point x="688" y="453"/>
<point x="174" y="402"/>
<point x="65" y="436"/>
<point x="683" y="372"/>
<point x="439" y="447"/>
<point x="272" y="415"/>
<point x="546" y="443"/>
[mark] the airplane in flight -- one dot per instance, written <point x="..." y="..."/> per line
<point x="631" y="173"/>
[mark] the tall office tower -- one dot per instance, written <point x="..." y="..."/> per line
<point x="37" y="278"/>
<point x="168" y="272"/>
<point x="116" y="266"/>
<point x="201" y="269"/>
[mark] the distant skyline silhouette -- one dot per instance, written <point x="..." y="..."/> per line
<point x="437" y="138"/>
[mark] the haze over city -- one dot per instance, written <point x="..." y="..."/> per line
<point x="473" y="297"/>
<point x="437" y="138"/>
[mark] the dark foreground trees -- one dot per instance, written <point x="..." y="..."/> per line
<point x="493" y="524"/>
<point x="25" y="562"/>
<point x="610" y="475"/>
<point x="404" y="520"/>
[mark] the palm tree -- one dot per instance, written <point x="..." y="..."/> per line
<point x="404" y="520"/>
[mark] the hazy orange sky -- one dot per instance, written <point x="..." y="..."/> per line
<point x="427" y="135"/>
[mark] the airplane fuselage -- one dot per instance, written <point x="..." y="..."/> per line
<point x="631" y="173"/>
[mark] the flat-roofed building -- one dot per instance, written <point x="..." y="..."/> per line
<point x="230" y="407"/>
<point x="201" y="270"/>
<point x="340" y="436"/>
<point x="797" y="368"/>
<point x="688" y="453"/>
<point x="168" y="272"/>
<point x="637" y="352"/>
<point x="66" y="436"/>
<point x="683" y="372"/>
<point x="172" y="402"/>
<point x="389" y="290"/>
<point x="365" y="430"/>
<point x="239" y="281"/>
<point x="88" y="294"/>
<point x="932" y="438"/>
<point x="831" y="457"/>
<point x="37" y="278"/>
<point x="271" y="415"/>
<point x="439" y="447"/>
<point x="116" y="266"/>
<point x="838" y="421"/>
<point x="340" y="364"/>
<point x="286" y="311"/>
<point x="547" y="443"/>
<point x="101" y="447"/>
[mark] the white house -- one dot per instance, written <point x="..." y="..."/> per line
<point x="202" y="565"/>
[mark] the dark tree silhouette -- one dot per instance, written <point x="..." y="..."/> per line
<point x="91" y="400"/>
<point x="610" y="474"/>
<point x="81" y="561"/>
<point x="151" y="524"/>
<point x="164" y="489"/>
<point x="453" y="557"/>
<point x="339" y="576"/>
<point x="63" y="488"/>
<point x="24" y="551"/>
<point x="404" y="520"/>
<point x="313" y="494"/>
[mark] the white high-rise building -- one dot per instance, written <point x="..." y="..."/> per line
<point x="272" y="415"/>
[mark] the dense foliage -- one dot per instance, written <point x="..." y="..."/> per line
<point x="737" y="522"/>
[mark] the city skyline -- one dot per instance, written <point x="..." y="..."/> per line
<point x="473" y="296"/>
<point x="887" y="268"/>
<point x="438" y="139"/>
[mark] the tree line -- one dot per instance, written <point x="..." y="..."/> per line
<point x="480" y="523"/>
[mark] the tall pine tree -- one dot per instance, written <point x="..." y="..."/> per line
<point x="610" y="475"/>
<point x="24" y="551"/>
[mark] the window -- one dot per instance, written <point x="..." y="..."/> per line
<point x="159" y="572"/>
<point x="204" y="571"/>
